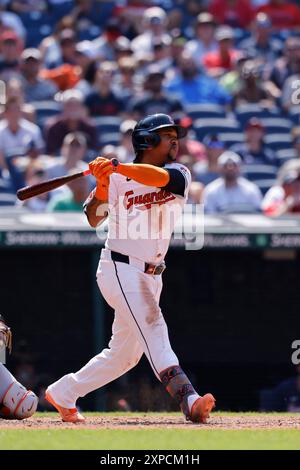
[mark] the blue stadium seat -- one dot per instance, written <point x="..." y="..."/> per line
<point x="278" y="141"/>
<point x="259" y="172"/>
<point x="231" y="138"/>
<point x="294" y="114"/>
<point x="244" y="112"/>
<point x="285" y="155"/>
<point x="46" y="109"/>
<point x="109" y="138"/>
<point x="265" y="185"/>
<point x="201" y="110"/>
<point x="7" y="199"/>
<point x="215" y="126"/>
<point x="274" y="125"/>
<point x="107" y="123"/>
<point x="38" y="26"/>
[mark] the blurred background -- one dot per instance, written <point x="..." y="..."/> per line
<point x="75" y="76"/>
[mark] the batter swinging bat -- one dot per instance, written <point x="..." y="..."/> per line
<point x="49" y="185"/>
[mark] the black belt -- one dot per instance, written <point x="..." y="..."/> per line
<point x="149" y="268"/>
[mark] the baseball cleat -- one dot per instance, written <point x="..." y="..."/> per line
<point x="201" y="409"/>
<point x="68" y="415"/>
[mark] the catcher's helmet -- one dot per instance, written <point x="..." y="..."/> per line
<point x="144" y="135"/>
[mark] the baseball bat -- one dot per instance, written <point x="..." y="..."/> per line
<point x="49" y="185"/>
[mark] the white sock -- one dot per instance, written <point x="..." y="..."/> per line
<point x="192" y="399"/>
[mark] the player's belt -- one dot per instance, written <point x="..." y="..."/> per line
<point x="154" y="269"/>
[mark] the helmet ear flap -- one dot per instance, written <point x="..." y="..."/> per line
<point x="143" y="139"/>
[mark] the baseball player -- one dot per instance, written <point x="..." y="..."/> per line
<point x="15" y="401"/>
<point x="147" y="195"/>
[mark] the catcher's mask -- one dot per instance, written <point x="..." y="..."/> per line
<point x="144" y="135"/>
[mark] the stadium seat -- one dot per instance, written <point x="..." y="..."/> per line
<point x="201" y="110"/>
<point x="107" y="123"/>
<point x="231" y="138"/>
<point x="284" y="155"/>
<point x="259" y="172"/>
<point x="45" y="109"/>
<point x="215" y="126"/>
<point x="7" y="199"/>
<point x="294" y="114"/>
<point x="109" y="138"/>
<point x="274" y="125"/>
<point x="278" y="141"/>
<point x="265" y="185"/>
<point x="244" y="112"/>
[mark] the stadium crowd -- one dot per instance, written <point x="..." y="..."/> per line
<point x="76" y="75"/>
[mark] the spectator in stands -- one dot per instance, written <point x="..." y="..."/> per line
<point x="27" y="6"/>
<point x="104" y="46"/>
<point x="218" y="62"/>
<point x="10" y="47"/>
<point x="124" y="151"/>
<point x="14" y="89"/>
<point x="35" y="88"/>
<point x="190" y="85"/>
<point x="283" y="14"/>
<point x="71" y="200"/>
<point x="50" y="46"/>
<point x="284" y="198"/>
<point x="16" y="133"/>
<point x="291" y="91"/>
<point x="34" y="174"/>
<point x="73" y="154"/>
<point x="236" y="13"/>
<point x="188" y="145"/>
<point x="103" y="101"/>
<point x="285" y="66"/>
<point x="154" y="27"/>
<point x="11" y="21"/>
<point x="253" y="89"/>
<point x="72" y="119"/>
<point x="261" y="45"/>
<point x="285" y="396"/>
<point x="254" y="150"/>
<point x="125" y="80"/>
<point x="154" y="100"/>
<point x="231" y="193"/>
<point x="85" y="60"/>
<point x="295" y="134"/>
<point x="67" y="45"/>
<point x="204" y="40"/>
<point x="162" y="54"/>
<point x="209" y="169"/>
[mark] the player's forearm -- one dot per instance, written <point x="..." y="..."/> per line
<point x="145" y="174"/>
<point x="96" y="211"/>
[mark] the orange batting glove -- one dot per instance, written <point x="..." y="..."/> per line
<point x="101" y="169"/>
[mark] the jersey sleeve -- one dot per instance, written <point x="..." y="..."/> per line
<point x="180" y="179"/>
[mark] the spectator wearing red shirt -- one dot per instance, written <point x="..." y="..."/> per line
<point x="283" y="14"/>
<point x="236" y="13"/>
<point x="284" y="198"/>
<point x="224" y="59"/>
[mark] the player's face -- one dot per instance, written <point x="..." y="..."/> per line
<point x="168" y="143"/>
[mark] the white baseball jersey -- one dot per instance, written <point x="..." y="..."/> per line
<point x="140" y="226"/>
<point x="142" y="218"/>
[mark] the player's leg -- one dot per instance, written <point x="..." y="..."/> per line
<point x="122" y="354"/>
<point x="16" y="402"/>
<point x="138" y="302"/>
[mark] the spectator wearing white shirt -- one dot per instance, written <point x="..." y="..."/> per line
<point x="231" y="193"/>
<point x="204" y="40"/>
<point x="17" y="134"/>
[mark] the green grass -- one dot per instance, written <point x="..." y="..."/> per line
<point x="152" y="438"/>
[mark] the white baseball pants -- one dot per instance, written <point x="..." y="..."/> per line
<point x="139" y="327"/>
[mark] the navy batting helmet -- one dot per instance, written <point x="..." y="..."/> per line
<point x="144" y="135"/>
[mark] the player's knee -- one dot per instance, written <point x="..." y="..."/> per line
<point x="18" y="402"/>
